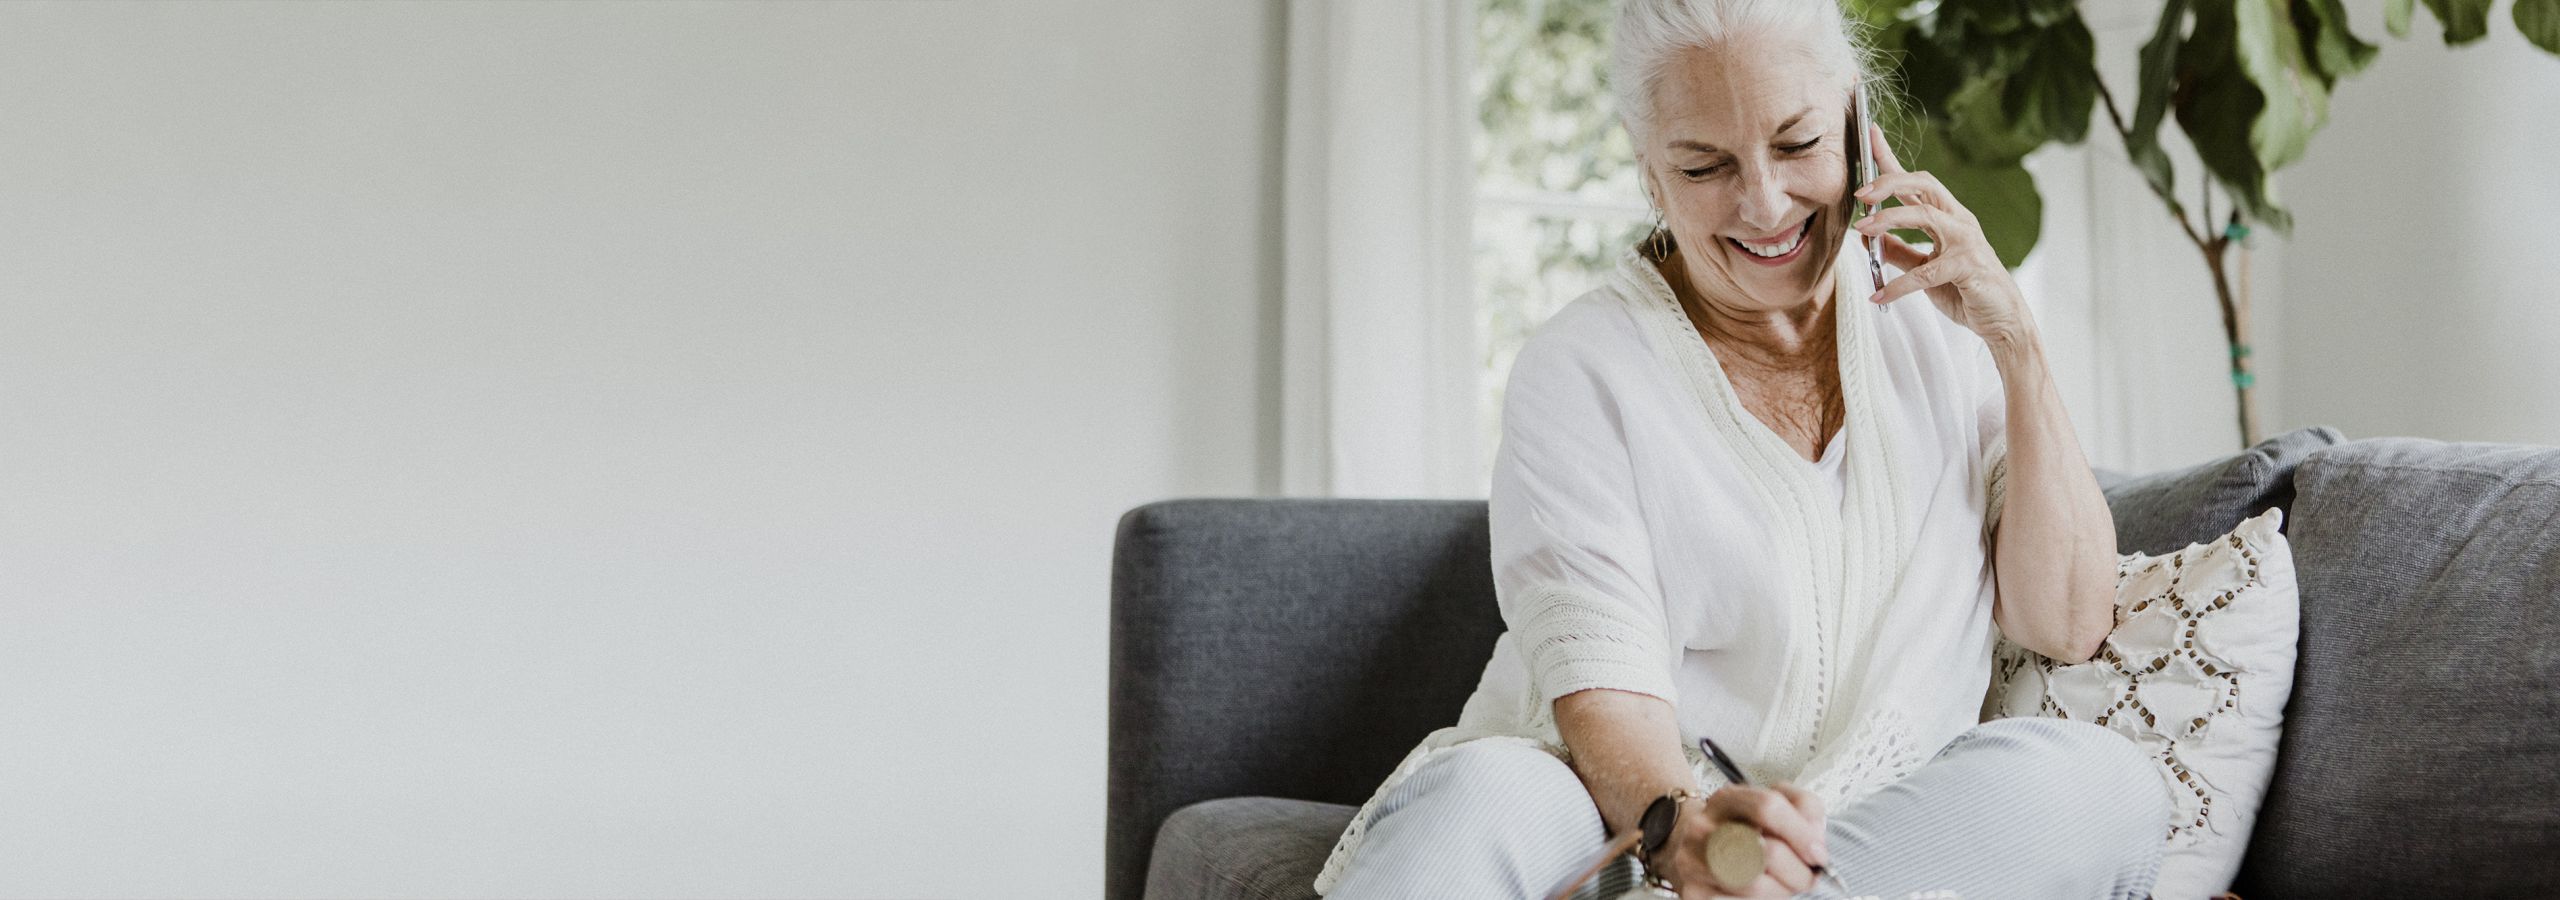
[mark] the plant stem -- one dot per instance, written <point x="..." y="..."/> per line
<point x="2235" y="309"/>
<point x="2125" y="134"/>
<point x="2235" y="329"/>
<point x="2242" y="353"/>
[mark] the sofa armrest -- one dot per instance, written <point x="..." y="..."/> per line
<point x="1284" y="648"/>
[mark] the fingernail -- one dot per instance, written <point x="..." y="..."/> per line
<point x="1879" y="295"/>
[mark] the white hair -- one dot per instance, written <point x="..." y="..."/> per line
<point x="1651" y="32"/>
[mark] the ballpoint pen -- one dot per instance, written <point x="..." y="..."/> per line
<point x="1734" y="849"/>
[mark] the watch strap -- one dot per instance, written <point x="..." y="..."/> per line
<point x="1660" y="818"/>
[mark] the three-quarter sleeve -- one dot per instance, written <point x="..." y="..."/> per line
<point x="1572" y="559"/>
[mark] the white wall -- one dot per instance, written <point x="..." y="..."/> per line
<point x="2125" y="302"/>
<point x="2423" y="279"/>
<point x="2410" y="299"/>
<point x="602" y="450"/>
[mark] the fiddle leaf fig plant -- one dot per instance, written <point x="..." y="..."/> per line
<point x="2247" y="82"/>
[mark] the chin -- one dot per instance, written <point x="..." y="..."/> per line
<point x="1800" y="274"/>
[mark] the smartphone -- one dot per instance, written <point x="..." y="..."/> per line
<point x="1862" y="169"/>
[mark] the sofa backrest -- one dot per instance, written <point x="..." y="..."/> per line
<point x="2162" y="512"/>
<point x="1291" y="648"/>
<point x="1299" y="648"/>
<point x="2421" y="749"/>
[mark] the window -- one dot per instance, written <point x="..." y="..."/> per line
<point x="1556" y="195"/>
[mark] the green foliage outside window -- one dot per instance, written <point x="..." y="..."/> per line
<point x="1556" y="182"/>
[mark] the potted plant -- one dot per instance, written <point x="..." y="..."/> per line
<point x="2246" y="82"/>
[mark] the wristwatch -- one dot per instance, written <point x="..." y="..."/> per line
<point x="1658" y="820"/>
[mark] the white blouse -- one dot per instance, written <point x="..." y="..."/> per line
<point x="1828" y="622"/>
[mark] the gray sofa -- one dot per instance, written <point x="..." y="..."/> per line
<point x="1271" y="661"/>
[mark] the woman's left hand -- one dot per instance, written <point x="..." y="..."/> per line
<point x="1960" y="271"/>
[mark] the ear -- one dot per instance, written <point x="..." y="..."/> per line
<point x="1644" y="180"/>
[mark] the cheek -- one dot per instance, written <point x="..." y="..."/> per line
<point x="1700" y="205"/>
<point x="1821" y="177"/>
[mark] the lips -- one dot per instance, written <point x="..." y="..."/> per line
<point x="1794" y="242"/>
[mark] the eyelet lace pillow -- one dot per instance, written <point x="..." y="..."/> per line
<point x="2197" y="671"/>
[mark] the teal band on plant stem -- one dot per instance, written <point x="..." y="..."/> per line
<point x="2244" y="380"/>
<point x="2236" y="231"/>
<point x="2239" y="351"/>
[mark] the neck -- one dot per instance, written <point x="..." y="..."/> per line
<point x="1802" y="332"/>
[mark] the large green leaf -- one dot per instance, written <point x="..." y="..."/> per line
<point x="1979" y="129"/>
<point x="2058" y="85"/>
<point x="2000" y="94"/>
<point x="2296" y="102"/>
<point x="2049" y="13"/>
<point x="2330" y="43"/>
<point x="2001" y="195"/>
<point x="2464" y="20"/>
<point x="1993" y="16"/>
<point x="2540" y="22"/>
<point x="1990" y="36"/>
<point x="1930" y="74"/>
<point x="2159" y="75"/>
<point x="2218" y="109"/>
<point x="1877" y="13"/>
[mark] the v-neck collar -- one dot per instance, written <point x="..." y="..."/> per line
<point x="1842" y="554"/>
<point x="1830" y="448"/>
<point x="1762" y="435"/>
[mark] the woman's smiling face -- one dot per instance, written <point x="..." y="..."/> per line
<point x="1745" y="153"/>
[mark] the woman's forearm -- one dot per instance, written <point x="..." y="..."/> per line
<point x="2055" y="552"/>
<point x="1626" y="748"/>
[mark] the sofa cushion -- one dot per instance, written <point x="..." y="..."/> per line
<point x="2419" y="754"/>
<point x="2163" y="511"/>
<point x="1244" y="848"/>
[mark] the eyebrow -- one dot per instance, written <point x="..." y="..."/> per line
<point x="1686" y="144"/>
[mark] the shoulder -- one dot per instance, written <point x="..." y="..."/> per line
<point x="1590" y="337"/>
<point x="1587" y="368"/>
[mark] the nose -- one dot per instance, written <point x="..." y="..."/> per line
<point x="1764" y="203"/>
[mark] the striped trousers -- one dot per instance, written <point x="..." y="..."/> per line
<point x="2027" y="808"/>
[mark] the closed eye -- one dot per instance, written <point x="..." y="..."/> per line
<point x="1800" y="148"/>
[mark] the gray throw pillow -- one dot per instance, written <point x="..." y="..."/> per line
<point x="2419" y="756"/>
<point x="2162" y="512"/>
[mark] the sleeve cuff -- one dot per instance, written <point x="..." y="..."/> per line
<point x="1574" y="642"/>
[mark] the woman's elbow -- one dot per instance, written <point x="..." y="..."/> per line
<point x="2082" y="646"/>
<point x="2070" y="635"/>
<point x="2092" y="619"/>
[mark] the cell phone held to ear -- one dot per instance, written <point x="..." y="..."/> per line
<point x="1862" y="169"/>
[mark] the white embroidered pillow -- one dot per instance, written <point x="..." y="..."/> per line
<point x="2197" y="671"/>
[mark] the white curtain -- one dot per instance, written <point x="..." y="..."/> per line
<point x="1380" y="356"/>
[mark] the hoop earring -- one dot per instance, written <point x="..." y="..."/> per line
<point x="1657" y="243"/>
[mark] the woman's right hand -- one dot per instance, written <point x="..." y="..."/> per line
<point x="1791" y="828"/>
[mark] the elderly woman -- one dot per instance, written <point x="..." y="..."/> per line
<point x="1743" y="495"/>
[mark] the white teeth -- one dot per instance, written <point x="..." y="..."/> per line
<point x="1781" y="249"/>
